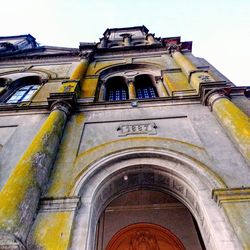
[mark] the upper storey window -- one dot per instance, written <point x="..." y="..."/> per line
<point x="116" y="89"/>
<point x="144" y="87"/>
<point x="23" y="94"/>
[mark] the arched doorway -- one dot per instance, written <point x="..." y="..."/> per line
<point x="162" y="170"/>
<point x="143" y="216"/>
<point x="144" y="237"/>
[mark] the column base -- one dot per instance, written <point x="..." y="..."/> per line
<point x="10" y="242"/>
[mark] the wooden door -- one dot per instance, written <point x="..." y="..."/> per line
<point x="144" y="237"/>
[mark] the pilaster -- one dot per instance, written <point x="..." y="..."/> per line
<point x="20" y="196"/>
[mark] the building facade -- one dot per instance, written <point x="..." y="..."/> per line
<point x="129" y="143"/>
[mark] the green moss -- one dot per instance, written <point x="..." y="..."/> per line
<point x="30" y="172"/>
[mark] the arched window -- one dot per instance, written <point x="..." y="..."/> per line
<point x="144" y="87"/>
<point x="23" y="94"/>
<point x="116" y="89"/>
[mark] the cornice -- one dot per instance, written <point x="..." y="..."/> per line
<point x="88" y="103"/>
<point x="35" y="59"/>
<point x="231" y="195"/>
<point x="59" y="204"/>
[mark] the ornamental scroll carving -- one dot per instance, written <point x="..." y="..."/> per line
<point x="143" y="240"/>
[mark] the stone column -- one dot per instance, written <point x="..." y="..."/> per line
<point x="131" y="89"/>
<point x="81" y="68"/>
<point x="233" y="120"/>
<point x="195" y="76"/>
<point x="74" y="84"/>
<point x="20" y="196"/>
<point x="160" y="87"/>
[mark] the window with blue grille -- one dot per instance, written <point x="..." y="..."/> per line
<point x="23" y="94"/>
<point x="116" y="89"/>
<point x="144" y="87"/>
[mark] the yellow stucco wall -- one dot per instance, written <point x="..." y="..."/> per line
<point x="52" y="231"/>
<point x="176" y="82"/>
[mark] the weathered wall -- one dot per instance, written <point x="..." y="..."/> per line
<point x="16" y="133"/>
<point x="94" y="132"/>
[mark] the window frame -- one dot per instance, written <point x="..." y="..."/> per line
<point x="32" y="88"/>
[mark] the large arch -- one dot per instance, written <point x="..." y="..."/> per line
<point x="158" y="170"/>
<point x="143" y="67"/>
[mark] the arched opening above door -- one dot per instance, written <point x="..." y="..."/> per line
<point x="145" y="236"/>
<point x="147" y="219"/>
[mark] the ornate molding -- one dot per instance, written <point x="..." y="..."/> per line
<point x="214" y="96"/>
<point x="231" y="195"/>
<point x="207" y="90"/>
<point x="65" y="102"/>
<point x="88" y="55"/>
<point x="172" y="47"/>
<point x="60" y="204"/>
<point x="205" y="79"/>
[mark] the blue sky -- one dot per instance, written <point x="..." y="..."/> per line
<point x="220" y="30"/>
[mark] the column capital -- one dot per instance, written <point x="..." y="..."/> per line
<point x="88" y="55"/>
<point x="65" y="102"/>
<point x="63" y="106"/>
<point x="130" y="80"/>
<point x="171" y="48"/>
<point x="214" y="95"/>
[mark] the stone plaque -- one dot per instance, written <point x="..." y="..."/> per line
<point x="137" y="128"/>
